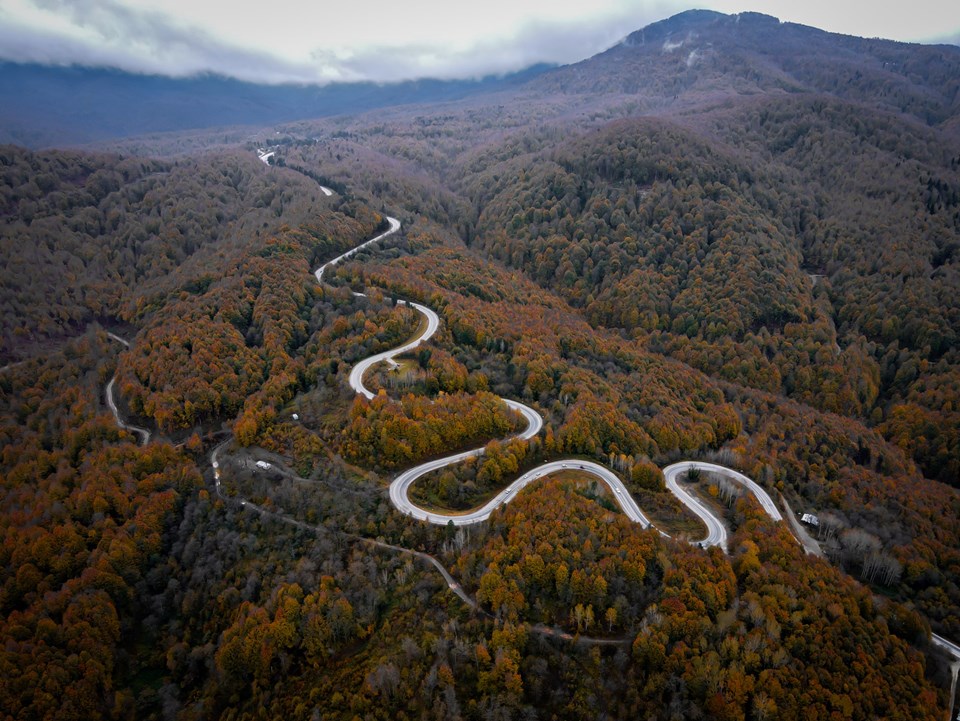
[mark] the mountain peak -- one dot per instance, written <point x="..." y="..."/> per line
<point x="691" y="21"/>
<point x="685" y="22"/>
<point x="700" y="55"/>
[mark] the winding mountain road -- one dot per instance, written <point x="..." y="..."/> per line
<point x="358" y="371"/>
<point x="265" y="156"/>
<point x="716" y="531"/>
<point x="112" y="403"/>
<point x="400" y="487"/>
<point x="433" y="320"/>
<point x="394" y="227"/>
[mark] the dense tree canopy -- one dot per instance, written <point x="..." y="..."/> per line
<point x="761" y="278"/>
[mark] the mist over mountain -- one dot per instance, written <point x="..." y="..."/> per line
<point x="690" y="58"/>
<point x="54" y="106"/>
<point x="703" y="56"/>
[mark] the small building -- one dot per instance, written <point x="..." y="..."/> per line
<point x="296" y="417"/>
<point x="810" y="519"/>
<point x="263" y="464"/>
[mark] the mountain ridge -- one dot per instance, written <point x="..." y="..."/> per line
<point x="676" y="61"/>
<point x="44" y="106"/>
<point x="685" y="58"/>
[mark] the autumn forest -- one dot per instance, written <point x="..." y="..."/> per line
<point x="752" y="260"/>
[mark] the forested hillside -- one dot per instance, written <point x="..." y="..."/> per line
<point x="702" y="57"/>
<point x="108" y="232"/>
<point x="771" y="267"/>
<point x="716" y="241"/>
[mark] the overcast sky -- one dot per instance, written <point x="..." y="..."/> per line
<point x="387" y="40"/>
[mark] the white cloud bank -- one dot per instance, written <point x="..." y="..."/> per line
<point x="324" y="41"/>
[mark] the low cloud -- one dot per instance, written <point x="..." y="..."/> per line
<point x="949" y="40"/>
<point x="287" y="41"/>
<point x="534" y="43"/>
<point x="108" y="33"/>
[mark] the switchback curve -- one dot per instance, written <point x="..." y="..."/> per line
<point x="112" y="403"/>
<point x="623" y="497"/>
<point x="400" y="487"/>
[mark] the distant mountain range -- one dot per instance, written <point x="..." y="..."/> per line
<point x="44" y="106"/>
<point x="690" y="58"/>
